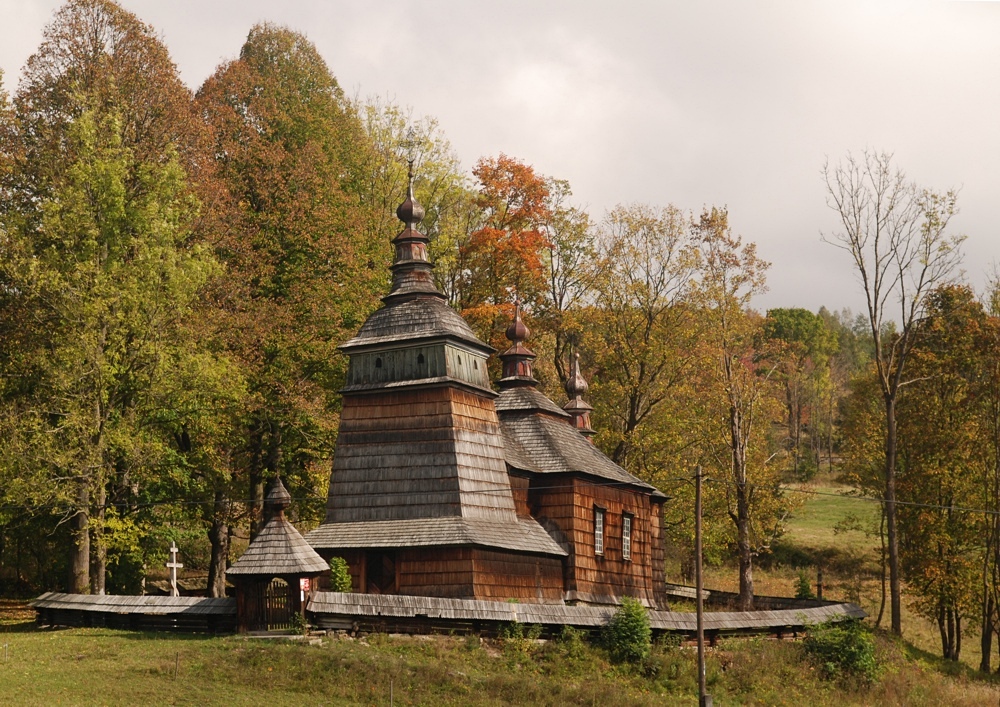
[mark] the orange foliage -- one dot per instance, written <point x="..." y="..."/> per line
<point x="504" y="255"/>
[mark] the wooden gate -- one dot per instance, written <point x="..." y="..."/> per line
<point x="279" y="605"/>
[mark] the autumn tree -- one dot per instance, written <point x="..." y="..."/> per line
<point x="805" y="349"/>
<point x="896" y="235"/>
<point x="99" y="100"/>
<point x="107" y="275"/>
<point x="739" y="389"/>
<point x="503" y="257"/>
<point x="941" y="463"/>
<point x="568" y="262"/>
<point x="988" y="411"/>
<point x="304" y="266"/>
<point x="642" y="329"/>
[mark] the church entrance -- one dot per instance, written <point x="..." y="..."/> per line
<point x="380" y="571"/>
<point x="279" y="605"/>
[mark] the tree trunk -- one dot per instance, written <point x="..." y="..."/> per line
<point x="99" y="560"/>
<point x="256" y="482"/>
<point x="881" y="537"/>
<point x="958" y="635"/>
<point x="739" y="470"/>
<point x="829" y="437"/>
<point x="79" y="561"/>
<point x="986" y="635"/>
<point x="218" y="536"/>
<point x="892" y="540"/>
<point x="745" y="602"/>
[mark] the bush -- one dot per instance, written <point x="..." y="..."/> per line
<point x="340" y="575"/>
<point x="515" y="637"/>
<point x="803" y="589"/>
<point x="627" y="637"/>
<point x="843" y="649"/>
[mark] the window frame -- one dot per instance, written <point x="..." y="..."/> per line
<point x="628" y="527"/>
<point x="600" y="528"/>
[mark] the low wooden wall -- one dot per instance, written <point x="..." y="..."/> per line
<point x="410" y="614"/>
<point x="137" y="613"/>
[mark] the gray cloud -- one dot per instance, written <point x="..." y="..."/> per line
<point x="734" y="103"/>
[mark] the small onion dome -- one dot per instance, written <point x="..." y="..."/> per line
<point x="576" y="385"/>
<point x="517" y="331"/>
<point x="517" y="359"/>
<point x="578" y="409"/>
<point x="278" y="498"/>
<point x="410" y="212"/>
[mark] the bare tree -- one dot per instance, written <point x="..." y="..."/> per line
<point x="895" y="233"/>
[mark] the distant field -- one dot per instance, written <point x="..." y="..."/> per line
<point x="815" y="524"/>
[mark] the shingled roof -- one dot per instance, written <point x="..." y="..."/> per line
<point x="546" y="445"/>
<point x="525" y="534"/>
<point x="278" y="549"/>
<point x="412" y="320"/>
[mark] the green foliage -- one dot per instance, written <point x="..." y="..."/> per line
<point x="299" y="623"/>
<point x="844" y="649"/>
<point x="628" y="637"/>
<point x="340" y="575"/>
<point x="517" y="638"/>
<point x="803" y="588"/>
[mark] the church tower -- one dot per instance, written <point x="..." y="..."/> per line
<point x="419" y="500"/>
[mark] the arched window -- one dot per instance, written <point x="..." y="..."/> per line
<point x="378" y="363"/>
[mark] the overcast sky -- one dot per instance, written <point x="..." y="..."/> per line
<point x="691" y="103"/>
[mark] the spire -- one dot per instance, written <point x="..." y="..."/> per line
<point x="579" y="411"/>
<point x="517" y="359"/>
<point x="411" y="270"/>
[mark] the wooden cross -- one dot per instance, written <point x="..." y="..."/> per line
<point x="173" y="566"/>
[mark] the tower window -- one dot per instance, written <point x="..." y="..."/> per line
<point x="420" y="358"/>
<point x="475" y="364"/>
<point x="626" y="536"/>
<point x="378" y="363"/>
<point x="598" y="531"/>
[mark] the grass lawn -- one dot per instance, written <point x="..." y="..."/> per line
<point x="104" y="667"/>
<point x="840" y="530"/>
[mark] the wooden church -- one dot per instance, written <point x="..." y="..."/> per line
<point x="443" y="487"/>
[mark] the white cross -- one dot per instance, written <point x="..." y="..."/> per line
<point x="173" y="566"/>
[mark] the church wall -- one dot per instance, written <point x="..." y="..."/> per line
<point x="421" y="453"/>
<point x="508" y="575"/>
<point x="519" y="490"/>
<point x="657" y="553"/>
<point x="570" y="503"/>
<point x="436" y="572"/>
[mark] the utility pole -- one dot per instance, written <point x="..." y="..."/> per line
<point x="704" y="700"/>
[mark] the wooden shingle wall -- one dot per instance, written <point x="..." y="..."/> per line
<point x="508" y="575"/>
<point x="570" y="502"/>
<point x="436" y="572"/>
<point x="519" y="488"/>
<point x="419" y="454"/>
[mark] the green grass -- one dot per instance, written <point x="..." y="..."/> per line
<point x="815" y="524"/>
<point x="104" y="667"/>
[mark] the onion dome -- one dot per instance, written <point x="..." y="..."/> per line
<point x="278" y="549"/>
<point x="517" y="359"/>
<point x="579" y="411"/>
<point x="411" y="270"/>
